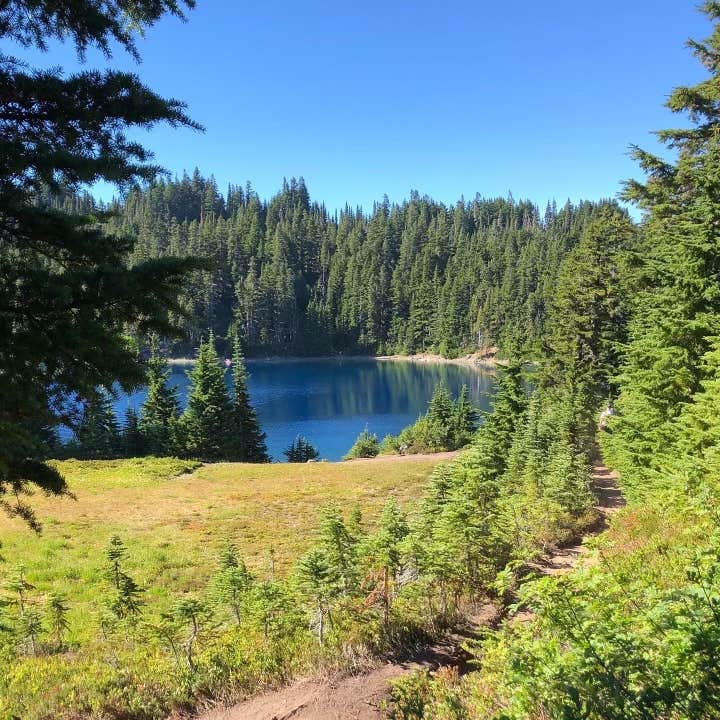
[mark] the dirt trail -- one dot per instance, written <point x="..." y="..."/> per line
<point x="609" y="501"/>
<point x="359" y="697"/>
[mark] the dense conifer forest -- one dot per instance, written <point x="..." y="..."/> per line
<point x="293" y="279"/>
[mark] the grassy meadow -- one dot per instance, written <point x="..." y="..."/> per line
<point x="174" y="516"/>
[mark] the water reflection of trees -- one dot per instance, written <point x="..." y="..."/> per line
<point x="336" y="388"/>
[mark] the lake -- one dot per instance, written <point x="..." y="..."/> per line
<point x="330" y="401"/>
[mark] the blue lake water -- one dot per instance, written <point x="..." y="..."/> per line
<point x="330" y="401"/>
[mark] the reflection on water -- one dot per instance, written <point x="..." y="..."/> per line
<point x="330" y="401"/>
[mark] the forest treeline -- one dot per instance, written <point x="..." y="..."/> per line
<point x="291" y="278"/>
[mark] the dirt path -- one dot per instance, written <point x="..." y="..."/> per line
<point x="359" y="697"/>
<point x="609" y="501"/>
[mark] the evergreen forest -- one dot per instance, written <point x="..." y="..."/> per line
<point x="290" y="278"/>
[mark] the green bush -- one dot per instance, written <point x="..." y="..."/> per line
<point x="300" y="451"/>
<point x="448" y="425"/>
<point x="366" y="446"/>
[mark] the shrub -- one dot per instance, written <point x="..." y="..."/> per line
<point x="366" y="446"/>
<point x="300" y="450"/>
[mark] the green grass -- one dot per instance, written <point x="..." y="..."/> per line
<point x="175" y="516"/>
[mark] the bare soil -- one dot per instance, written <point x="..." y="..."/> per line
<point x="360" y="697"/>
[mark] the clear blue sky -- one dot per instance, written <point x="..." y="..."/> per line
<point x="450" y="98"/>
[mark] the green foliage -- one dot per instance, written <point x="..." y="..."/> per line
<point x="447" y="425"/>
<point x="125" y="599"/>
<point x="422" y="696"/>
<point x="193" y="615"/>
<point x="589" y="311"/>
<point x="232" y="581"/>
<point x="69" y="291"/>
<point x="381" y="552"/>
<point x="98" y="435"/>
<point x="57" y="619"/>
<point x="318" y="580"/>
<point x="206" y="424"/>
<point x="290" y="278"/>
<point x="300" y="451"/>
<point x="635" y="634"/>
<point x="158" y="421"/>
<point x="247" y="441"/>
<point x="365" y="446"/>
<point x="132" y="442"/>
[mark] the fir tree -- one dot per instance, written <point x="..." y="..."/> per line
<point x="98" y="435"/>
<point x="57" y="619"/>
<point x="133" y="441"/>
<point x="67" y="292"/>
<point x="232" y="581"/>
<point x="125" y="599"/>
<point x="248" y="441"/>
<point x="365" y="446"/>
<point x="465" y="419"/>
<point x="300" y="451"/>
<point x="440" y="410"/>
<point x="207" y="421"/>
<point x="382" y="551"/>
<point x="319" y="583"/>
<point x="159" y="413"/>
<point x="339" y="541"/>
<point x="676" y="313"/>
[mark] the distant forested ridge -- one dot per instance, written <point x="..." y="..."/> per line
<point x="293" y="278"/>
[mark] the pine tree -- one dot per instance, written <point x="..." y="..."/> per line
<point x="125" y="600"/>
<point x="319" y="583"/>
<point x="159" y="414"/>
<point x="339" y="541"/>
<point x="365" y="446"/>
<point x="67" y="290"/>
<point x="194" y="614"/>
<point x="440" y="409"/>
<point x="300" y="451"/>
<point x="589" y="312"/>
<point x="207" y="421"/>
<point x="232" y="581"/>
<point x="676" y="313"/>
<point x="382" y="550"/>
<point x="57" y="619"/>
<point x="98" y="435"/>
<point x="133" y="440"/>
<point x="248" y="441"/>
<point x="465" y="419"/>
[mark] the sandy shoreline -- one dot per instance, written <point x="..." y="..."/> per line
<point x="473" y="359"/>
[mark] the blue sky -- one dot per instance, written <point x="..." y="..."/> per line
<point x="449" y="98"/>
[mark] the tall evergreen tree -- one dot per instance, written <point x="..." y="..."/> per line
<point x="587" y="325"/>
<point x="247" y="442"/>
<point x="300" y="451"/>
<point x="676" y="314"/>
<point x="67" y="292"/>
<point x="133" y="442"/>
<point x="465" y="418"/>
<point x="159" y="413"/>
<point x="206" y="424"/>
<point x="98" y="435"/>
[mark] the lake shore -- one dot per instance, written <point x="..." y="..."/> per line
<point x="486" y="359"/>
